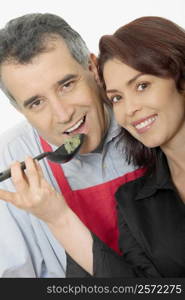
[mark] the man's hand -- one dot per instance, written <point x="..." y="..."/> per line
<point x="33" y="193"/>
<point x="36" y="196"/>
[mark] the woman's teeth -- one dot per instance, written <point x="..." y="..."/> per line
<point x="145" y="123"/>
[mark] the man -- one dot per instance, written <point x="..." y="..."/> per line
<point x="49" y="76"/>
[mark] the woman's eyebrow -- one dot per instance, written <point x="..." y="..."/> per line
<point x="131" y="81"/>
<point x="128" y="83"/>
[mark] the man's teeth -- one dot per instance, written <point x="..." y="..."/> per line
<point x="145" y="123"/>
<point x="75" y="126"/>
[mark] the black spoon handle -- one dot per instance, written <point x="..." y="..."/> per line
<point x="7" y="173"/>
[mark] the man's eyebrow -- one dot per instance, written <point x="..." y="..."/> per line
<point x="131" y="81"/>
<point x="67" y="78"/>
<point x="30" y="100"/>
<point x="60" y="82"/>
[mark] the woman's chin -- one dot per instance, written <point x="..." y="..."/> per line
<point x="151" y="144"/>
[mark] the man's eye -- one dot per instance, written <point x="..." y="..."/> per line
<point x="36" y="104"/>
<point x="67" y="86"/>
<point x="115" y="99"/>
<point x="142" y="86"/>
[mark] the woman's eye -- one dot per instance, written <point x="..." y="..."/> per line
<point x="142" y="86"/>
<point x="115" y="99"/>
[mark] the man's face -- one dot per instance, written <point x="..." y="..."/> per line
<point x="58" y="96"/>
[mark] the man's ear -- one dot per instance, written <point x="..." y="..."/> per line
<point x="15" y="105"/>
<point x="93" y="67"/>
<point x="12" y="101"/>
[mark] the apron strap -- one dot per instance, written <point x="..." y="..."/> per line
<point x="57" y="170"/>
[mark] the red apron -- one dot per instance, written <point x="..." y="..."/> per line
<point x="96" y="205"/>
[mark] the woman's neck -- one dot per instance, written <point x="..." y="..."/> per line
<point x="175" y="153"/>
<point x="176" y="162"/>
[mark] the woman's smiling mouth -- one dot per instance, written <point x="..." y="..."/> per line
<point x="144" y="124"/>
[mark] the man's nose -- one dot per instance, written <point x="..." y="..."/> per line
<point x="62" y="111"/>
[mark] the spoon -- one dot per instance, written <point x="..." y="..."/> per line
<point x="62" y="154"/>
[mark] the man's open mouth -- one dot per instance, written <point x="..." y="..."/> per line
<point x="76" y="126"/>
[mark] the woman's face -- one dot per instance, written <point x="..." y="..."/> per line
<point x="149" y="107"/>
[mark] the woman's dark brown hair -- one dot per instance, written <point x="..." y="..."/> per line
<point x="151" y="45"/>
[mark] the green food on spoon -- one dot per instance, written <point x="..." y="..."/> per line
<point x="72" y="143"/>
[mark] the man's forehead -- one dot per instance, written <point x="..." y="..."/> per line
<point x="38" y="77"/>
<point x="57" y="57"/>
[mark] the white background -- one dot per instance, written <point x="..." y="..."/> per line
<point x="91" y="19"/>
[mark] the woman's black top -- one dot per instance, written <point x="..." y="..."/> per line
<point x="151" y="219"/>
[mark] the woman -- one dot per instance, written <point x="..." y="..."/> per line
<point x="143" y="70"/>
<point x="143" y="66"/>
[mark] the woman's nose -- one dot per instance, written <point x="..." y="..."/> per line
<point x="132" y="106"/>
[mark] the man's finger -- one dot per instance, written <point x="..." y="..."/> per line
<point x="7" y="196"/>
<point x="39" y="169"/>
<point x="32" y="172"/>
<point x="18" y="177"/>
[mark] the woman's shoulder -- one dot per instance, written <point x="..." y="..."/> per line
<point x="128" y="192"/>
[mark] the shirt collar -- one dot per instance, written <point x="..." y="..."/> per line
<point x="113" y="130"/>
<point x="159" y="179"/>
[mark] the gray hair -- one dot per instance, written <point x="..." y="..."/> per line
<point x="25" y="37"/>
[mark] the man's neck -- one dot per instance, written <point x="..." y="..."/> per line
<point x="107" y="120"/>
